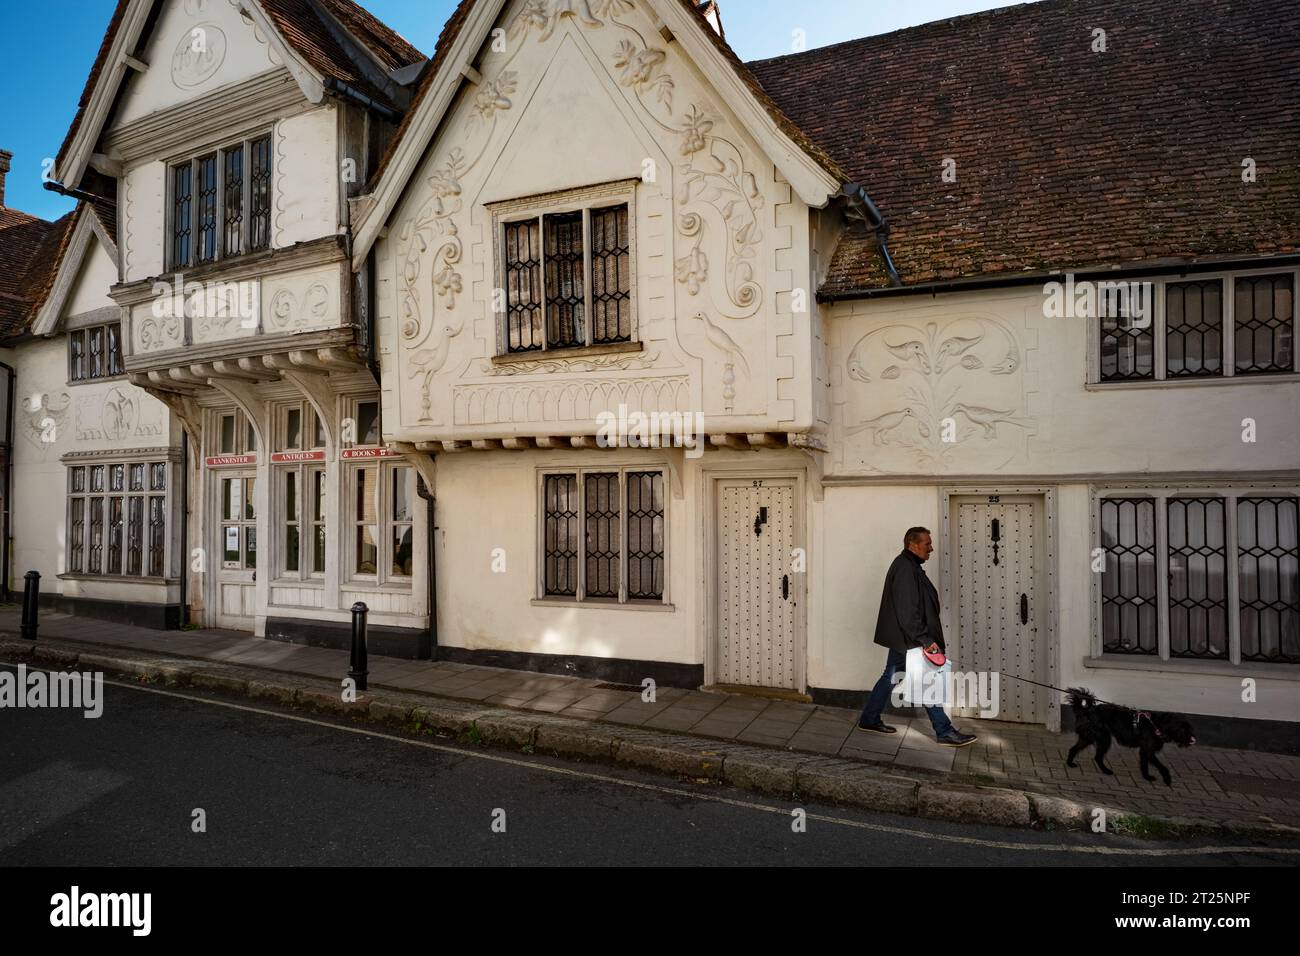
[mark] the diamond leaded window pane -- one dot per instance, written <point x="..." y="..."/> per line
<point x="1263" y="318"/>
<point x="645" y="535"/>
<point x="259" y="179"/>
<point x="77" y="535"/>
<point x="1127" y="345"/>
<point x="233" y="199"/>
<point x="1128" y="583"/>
<point x="565" y="322"/>
<point x="523" y="286"/>
<point x="602" y="538"/>
<point x="157" y="534"/>
<point x="1193" y="329"/>
<point x="207" y="207"/>
<point x="181" y="210"/>
<point x="1198" y="599"/>
<point x="611" y="276"/>
<point x="1268" y="579"/>
<point x="560" y="533"/>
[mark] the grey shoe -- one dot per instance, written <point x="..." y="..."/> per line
<point x="955" y="738"/>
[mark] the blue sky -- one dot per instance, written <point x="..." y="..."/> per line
<point x="47" y="47"/>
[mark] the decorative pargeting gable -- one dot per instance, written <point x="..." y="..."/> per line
<point x="573" y="103"/>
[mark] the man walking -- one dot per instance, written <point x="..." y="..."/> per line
<point x="909" y="617"/>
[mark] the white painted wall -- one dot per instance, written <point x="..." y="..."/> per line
<point x="306" y="175"/>
<point x="90" y="291"/>
<point x="489" y="500"/>
<point x="1023" y="377"/>
<point x="53" y="418"/>
<point x="576" y="105"/>
<point x="197" y="46"/>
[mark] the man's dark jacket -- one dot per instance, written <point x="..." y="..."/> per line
<point x="909" y="607"/>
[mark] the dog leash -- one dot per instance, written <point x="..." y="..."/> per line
<point x="1137" y="714"/>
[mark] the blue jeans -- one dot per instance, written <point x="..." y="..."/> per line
<point x="897" y="661"/>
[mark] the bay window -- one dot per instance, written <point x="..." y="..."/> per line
<point x="117" y="518"/>
<point x="220" y="204"/>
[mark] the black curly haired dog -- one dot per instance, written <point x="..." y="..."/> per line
<point x="1099" y="723"/>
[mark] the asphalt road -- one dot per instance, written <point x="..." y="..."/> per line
<point x="286" y="787"/>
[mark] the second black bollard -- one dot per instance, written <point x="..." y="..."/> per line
<point x="31" y="597"/>
<point x="360" y="667"/>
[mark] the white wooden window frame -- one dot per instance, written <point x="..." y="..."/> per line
<point x="302" y="518"/>
<point x="245" y="145"/>
<point x="306" y="427"/>
<point x="1160" y="285"/>
<point x="536" y="208"/>
<point x="622" y="470"/>
<point x="245" y="437"/>
<point x="384" y="523"/>
<point x="1160" y="495"/>
<point x="356" y="439"/>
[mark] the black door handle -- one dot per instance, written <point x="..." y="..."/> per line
<point x="1024" y="608"/>
<point x="785" y="587"/>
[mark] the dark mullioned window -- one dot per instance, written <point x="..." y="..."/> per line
<point x="95" y="352"/>
<point x="221" y="204"/>
<point x="603" y="536"/>
<point x="568" y="279"/>
<point x="117" y="518"/>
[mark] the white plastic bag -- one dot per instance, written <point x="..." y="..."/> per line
<point x="924" y="684"/>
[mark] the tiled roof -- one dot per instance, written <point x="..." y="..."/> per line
<point x="1064" y="157"/>
<point x="30" y="252"/>
<point x="304" y="30"/>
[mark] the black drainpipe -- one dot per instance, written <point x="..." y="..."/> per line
<point x="6" y="481"/>
<point x="185" y="526"/>
<point x="861" y="207"/>
<point x="423" y="491"/>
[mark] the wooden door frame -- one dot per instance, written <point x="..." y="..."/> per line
<point x="711" y="541"/>
<point x="950" y="605"/>
<point x="214" y="557"/>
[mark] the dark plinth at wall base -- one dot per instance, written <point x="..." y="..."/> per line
<point x="615" y="670"/>
<point x="848" y="699"/>
<point x="412" y="643"/>
<point x="1237" y="733"/>
<point x="159" y="617"/>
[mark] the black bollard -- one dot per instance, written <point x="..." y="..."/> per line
<point x="31" y="594"/>
<point x="359" y="668"/>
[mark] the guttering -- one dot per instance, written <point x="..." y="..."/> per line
<point x="185" y="527"/>
<point x="6" y="480"/>
<point x="862" y="209"/>
<point x="347" y="92"/>
<point x="424" y="492"/>
<point x="1151" y="268"/>
<point x="69" y="191"/>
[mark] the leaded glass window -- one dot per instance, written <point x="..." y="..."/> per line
<point x="603" y="535"/>
<point x="568" y="279"/>
<point x="1263" y="323"/>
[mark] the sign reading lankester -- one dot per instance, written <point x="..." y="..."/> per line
<point x="281" y="456"/>
<point x="370" y="453"/>
<point x="231" y="460"/>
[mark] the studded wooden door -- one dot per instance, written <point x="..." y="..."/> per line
<point x="999" y="558"/>
<point x="757" y="587"/>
